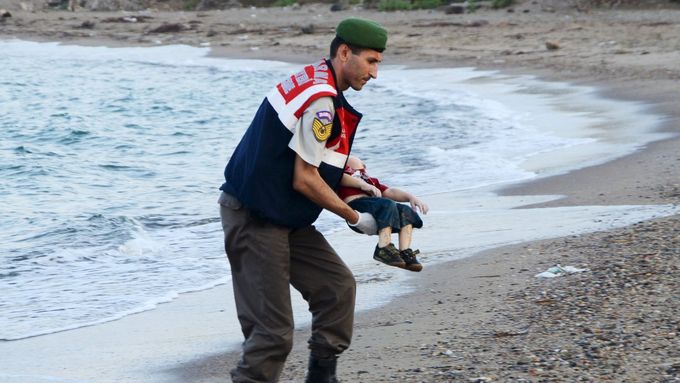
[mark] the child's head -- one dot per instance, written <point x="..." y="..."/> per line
<point x="355" y="163"/>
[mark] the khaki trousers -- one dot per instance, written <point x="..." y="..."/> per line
<point x="265" y="260"/>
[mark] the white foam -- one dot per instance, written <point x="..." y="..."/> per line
<point x="552" y="127"/>
<point x="26" y="378"/>
<point x="182" y="55"/>
<point x="149" y="304"/>
<point x="96" y="285"/>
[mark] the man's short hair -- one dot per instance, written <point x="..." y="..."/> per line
<point x="337" y="41"/>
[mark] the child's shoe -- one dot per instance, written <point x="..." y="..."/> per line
<point x="389" y="255"/>
<point x="410" y="260"/>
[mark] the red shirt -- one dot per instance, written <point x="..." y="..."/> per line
<point x="345" y="191"/>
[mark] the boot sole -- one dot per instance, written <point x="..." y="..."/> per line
<point x="394" y="264"/>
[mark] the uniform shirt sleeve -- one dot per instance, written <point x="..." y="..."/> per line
<point x="312" y="131"/>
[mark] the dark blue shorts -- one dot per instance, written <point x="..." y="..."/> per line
<point x="387" y="213"/>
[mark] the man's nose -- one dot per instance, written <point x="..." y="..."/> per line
<point x="373" y="71"/>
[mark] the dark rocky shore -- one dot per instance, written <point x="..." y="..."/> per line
<point x="617" y="322"/>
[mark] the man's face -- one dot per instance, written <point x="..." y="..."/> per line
<point x="361" y="68"/>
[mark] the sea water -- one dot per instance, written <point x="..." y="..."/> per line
<point x="111" y="159"/>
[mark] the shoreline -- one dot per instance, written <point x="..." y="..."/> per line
<point x="471" y="307"/>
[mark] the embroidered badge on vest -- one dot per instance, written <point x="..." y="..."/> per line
<point x="321" y="130"/>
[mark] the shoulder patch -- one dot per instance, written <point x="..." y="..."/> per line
<point x="321" y="129"/>
<point x="325" y="116"/>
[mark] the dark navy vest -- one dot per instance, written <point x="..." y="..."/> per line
<point x="260" y="171"/>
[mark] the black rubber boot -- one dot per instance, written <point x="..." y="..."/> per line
<point x="322" y="370"/>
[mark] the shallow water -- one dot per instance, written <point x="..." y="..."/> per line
<point x="111" y="160"/>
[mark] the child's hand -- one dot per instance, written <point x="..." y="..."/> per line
<point x="371" y="190"/>
<point x="417" y="204"/>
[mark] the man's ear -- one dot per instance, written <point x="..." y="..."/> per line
<point x="344" y="52"/>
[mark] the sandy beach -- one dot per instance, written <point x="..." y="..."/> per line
<point x="485" y="318"/>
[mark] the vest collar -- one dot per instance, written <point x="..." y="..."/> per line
<point x="341" y="95"/>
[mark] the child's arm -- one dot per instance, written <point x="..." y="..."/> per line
<point x="403" y="196"/>
<point x="360" y="184"/>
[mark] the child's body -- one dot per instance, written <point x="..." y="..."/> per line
<point x="366" y="194"/>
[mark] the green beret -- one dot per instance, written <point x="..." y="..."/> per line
<point x="362" y="33"/>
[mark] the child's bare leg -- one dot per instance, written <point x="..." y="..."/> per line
<point x="384" y="236"/>
<point x="405" y="237"/>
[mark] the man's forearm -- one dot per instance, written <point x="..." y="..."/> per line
<point x="351" y="182"/>
<point x="308" y="182"/>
